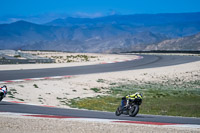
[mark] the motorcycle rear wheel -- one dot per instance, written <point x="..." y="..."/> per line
<point x="134" y="111"/>
<point x="118" y="112"/>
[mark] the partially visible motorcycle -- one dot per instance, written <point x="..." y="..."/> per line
<point x="3" y="92"/>
<point x="132" y="109"/>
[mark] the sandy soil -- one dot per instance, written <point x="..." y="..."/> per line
<point x="12" y="124"/>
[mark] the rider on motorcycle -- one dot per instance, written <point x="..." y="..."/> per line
<point x="4" y="90"/>
<point x="125" y="100"/>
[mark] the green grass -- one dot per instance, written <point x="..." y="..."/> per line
<point x="101" y="80"/>
<point x="20" y="99"/>
<point x="95" y="89"/>
<point x="81" y="57"/>
<point x="21" y="85"/>
<point x="184" y="105"/>
<point x="36" y="86"/>
<point x="17" y="56"/>
<point x="113" y="83"/>
<point x="96" y="103"/>
<point x="11" y="96"/>
<point x="174" y="98"/>
<point x="11" y="92"/>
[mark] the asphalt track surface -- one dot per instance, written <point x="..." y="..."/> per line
<point x="149" y="61"/>
<point x="20" y="108"/>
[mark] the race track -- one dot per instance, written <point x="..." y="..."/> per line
<point x="20" y="108"/>
<point x="148" y="61"/>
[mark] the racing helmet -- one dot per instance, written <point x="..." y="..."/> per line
<point x="137" y="93"/>
<point x="4" y="87"/>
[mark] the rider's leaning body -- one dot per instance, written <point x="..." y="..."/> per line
<point x="125" y="100"/>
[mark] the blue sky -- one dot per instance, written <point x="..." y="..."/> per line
<point x="35" y="9"/>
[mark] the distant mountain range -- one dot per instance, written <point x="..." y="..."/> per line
<point x="106" y="34"/>
<point x="189" y="43"/>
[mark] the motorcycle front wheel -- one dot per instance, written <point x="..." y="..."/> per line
<point x="134" y="110"/>
<point x="1" y="97"/>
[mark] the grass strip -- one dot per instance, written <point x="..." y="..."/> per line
<point x="173" y="99"/>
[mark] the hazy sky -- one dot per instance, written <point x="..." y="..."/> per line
<point x="93" y="8"/>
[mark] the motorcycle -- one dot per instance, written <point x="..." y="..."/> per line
<point x="3" y="92"/>
<point x="132" y="109"/>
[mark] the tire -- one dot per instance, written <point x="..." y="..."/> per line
<point x="134" y="111"/>
<point x="118" y="112"/>
<point x="1" y="97"/>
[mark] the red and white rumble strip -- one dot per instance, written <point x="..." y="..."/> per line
<point x="70" y="118"/>
<point x="29" y="79"/>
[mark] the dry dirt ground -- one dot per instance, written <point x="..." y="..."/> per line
<point x="15" y="124"/>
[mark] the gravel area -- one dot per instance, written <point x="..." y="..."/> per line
<point x="17" y="124"/>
